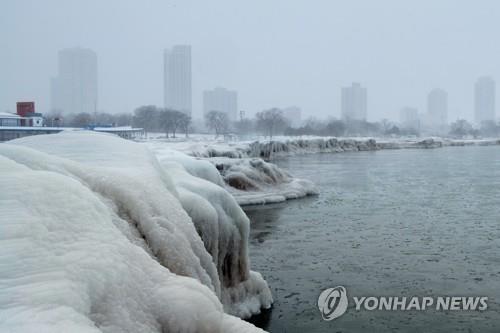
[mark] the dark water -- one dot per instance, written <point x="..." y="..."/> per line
<point x="387" y="223"/>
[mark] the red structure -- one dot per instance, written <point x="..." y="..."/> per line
<point x="25" y="109"/>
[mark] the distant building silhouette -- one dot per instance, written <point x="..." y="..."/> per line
<point x="437" y="108"/>
<point x="409" y="118"/>
<point x="74" y="89"/>
<point x="484" y="99"/>
<point x="353" y="102"/>
<point x="293" y="115"/>
<point x="221" y="99"/>
<point x="177" y="78"/>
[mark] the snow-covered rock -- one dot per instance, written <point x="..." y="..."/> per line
<point x="249" y="180"/>
<point x="254" y="181"/>
<point x="97" y="235"/>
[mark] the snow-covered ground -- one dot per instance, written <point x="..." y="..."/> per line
<point x="98" y="234"/>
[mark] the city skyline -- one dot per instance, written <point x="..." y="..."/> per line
<point x="268" y="60"/>
<point x="79" y="63"/>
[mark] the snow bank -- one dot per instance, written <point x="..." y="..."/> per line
<point x="98" y="238"/>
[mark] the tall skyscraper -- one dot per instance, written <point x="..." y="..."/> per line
<point x="221" y="99"/>
<point x="74" y="89"/>
<point x="484" y="99"/>
<point x="177" y="78"/>
<point x="353" y="102"/>
<point x="437" y="108"/>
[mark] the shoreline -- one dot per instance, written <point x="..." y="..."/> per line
<point x="285" y="146"/>
<point x="248" y="171"/>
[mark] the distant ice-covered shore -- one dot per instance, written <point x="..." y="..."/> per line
<point x="252" y="178"/>
<point x="207" y="147"/>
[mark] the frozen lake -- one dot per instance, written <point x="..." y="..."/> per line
<point x="387" y="223"/>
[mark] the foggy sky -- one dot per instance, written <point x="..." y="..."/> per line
<point x="274" y="53"/>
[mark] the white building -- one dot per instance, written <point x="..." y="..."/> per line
<point x="221" y="99"/>
<point x="484" y="99"/>
<point x="293" y="115"/>
<point x="74" y="89"/>
<point x="10" y="119"/>
<point x="437" y="109"/>
<point x="409" y="118"/>
<point x="177" y="78"/>
<point x="353" y="102"/>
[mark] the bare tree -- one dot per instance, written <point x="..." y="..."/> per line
<point x="54" y="118"/>
<point x="184" y="122"/>
<point x="461" y="128"/>
<point x="271" y="121"/>
<point x="173" y="120"/>
<point x="180" y="120"/>
<point x="80" y="120"/>
<point x="146" y="117"/>
<point x="218" y="121"/>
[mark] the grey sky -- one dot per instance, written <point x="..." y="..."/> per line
<point x="275" y="53"/>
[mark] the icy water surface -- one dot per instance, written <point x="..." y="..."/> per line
<point x="387" y="223"/>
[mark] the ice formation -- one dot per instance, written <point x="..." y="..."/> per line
<point x="100" y="236"/>
<point x="286" y="146"/>
<point x="254" y="181"/>
<point x="268" y="149"/>
<point x="249" y="180"/>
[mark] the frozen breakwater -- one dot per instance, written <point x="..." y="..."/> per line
<point x="100" y="235"/>
<point x="286" y="146"/>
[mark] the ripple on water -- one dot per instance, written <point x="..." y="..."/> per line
<point x="401" y="223"/>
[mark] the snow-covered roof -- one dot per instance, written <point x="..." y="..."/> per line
<point x="8" y="115"/>
<point x="117" y="129"/>
<point x="33" y="128"/>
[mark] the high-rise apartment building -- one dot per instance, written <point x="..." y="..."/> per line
<point x="177" y="78"/>
<point x="74" y="89"/>
<point x="484" y="99"/>
<point x="353" y="102"/>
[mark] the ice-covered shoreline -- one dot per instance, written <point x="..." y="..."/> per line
<point x="99" y="235"/>
<point x="251" y="181"/>
<point x="286" y="146"/>
<point x="249" y="175"/>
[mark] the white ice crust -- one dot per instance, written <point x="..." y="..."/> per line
<point x="251" y="181"/>
<point x="97" y="235"/>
